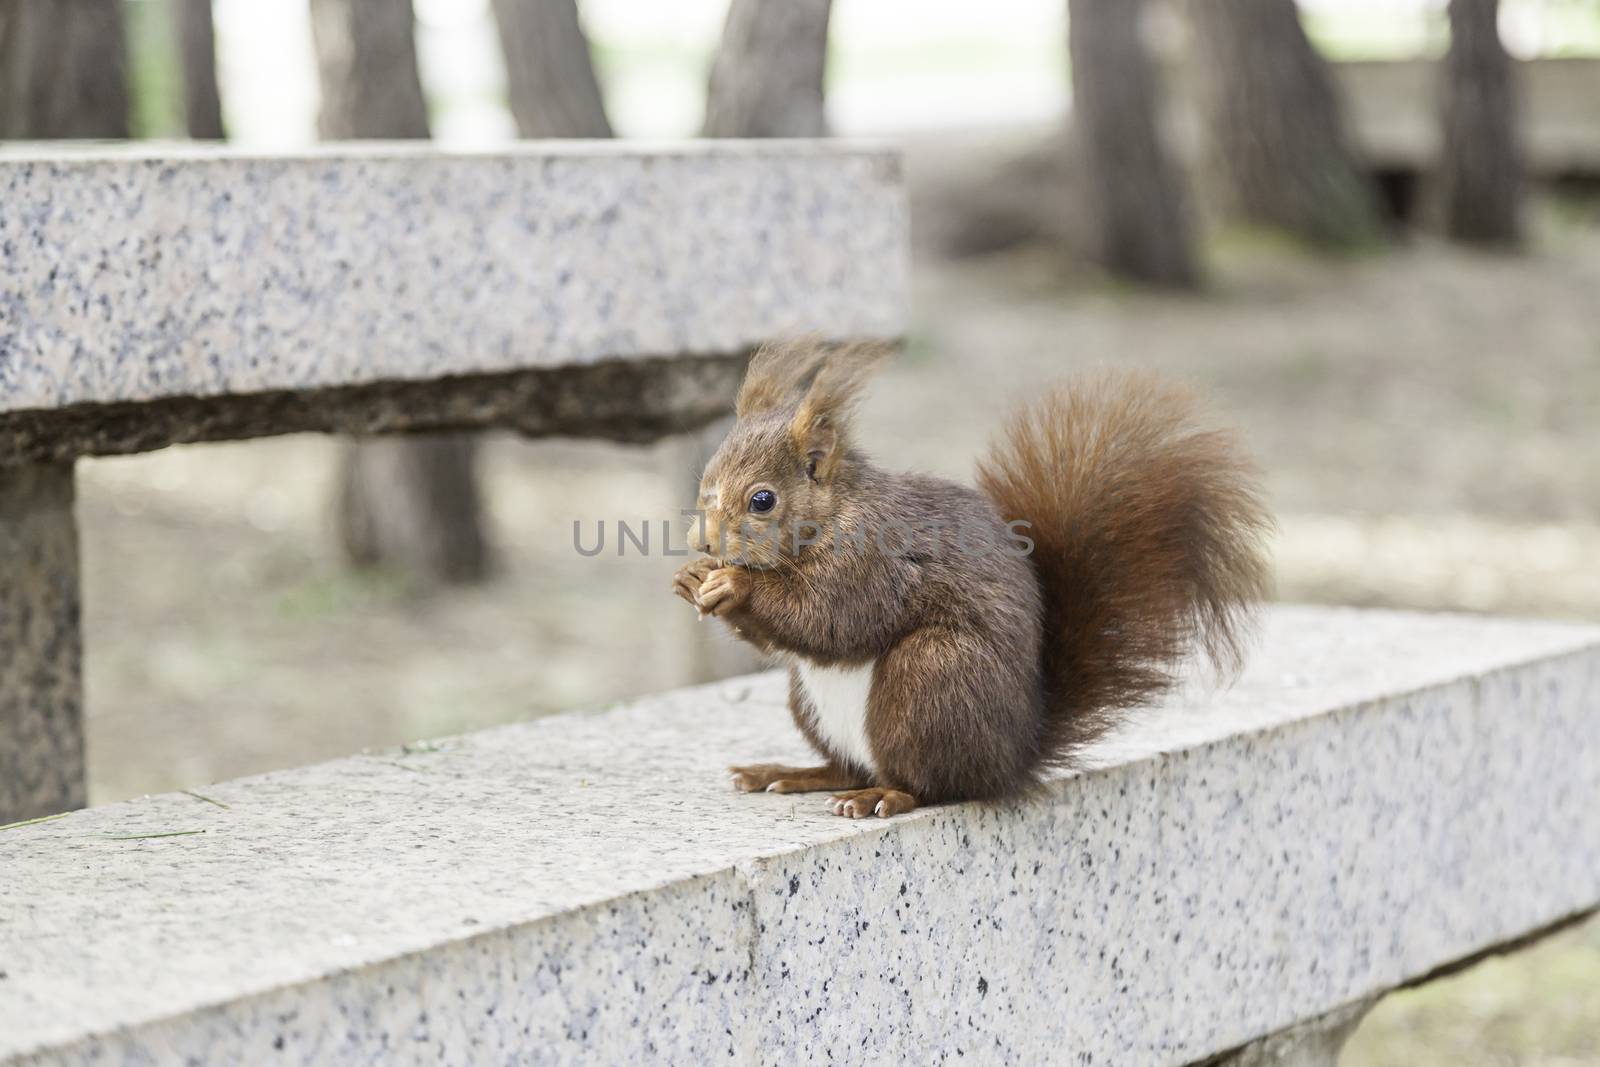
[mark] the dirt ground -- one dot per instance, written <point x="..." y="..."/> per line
<point x="1427" y="420"/>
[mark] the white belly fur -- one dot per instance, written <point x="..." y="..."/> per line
<point x="839" y="707"/>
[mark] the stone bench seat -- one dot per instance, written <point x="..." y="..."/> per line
<point x="185" y="294"/>
<point x="1381" y="797"/>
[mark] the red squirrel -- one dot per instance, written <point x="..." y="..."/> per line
<point x="928" y="665"/>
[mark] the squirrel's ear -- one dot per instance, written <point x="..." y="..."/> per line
<point x="776" y="373"/>
<point x="816" y="437"/>
<point x="820" y="423"/>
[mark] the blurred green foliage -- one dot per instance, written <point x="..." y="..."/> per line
<point x="1538" y="1006"/>
<point x="157" y="79"/>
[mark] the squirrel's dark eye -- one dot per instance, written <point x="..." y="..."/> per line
<point x="763" y="501"/>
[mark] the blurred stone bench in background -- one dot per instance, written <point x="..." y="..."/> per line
<point x="1382" y="798"/>
<point x="1393" y="111"/>
<point x="154" y="296"/>
<point x="1391" y="107"/>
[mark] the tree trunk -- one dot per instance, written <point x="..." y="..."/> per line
<point x="550" y="70"/>
<point x="1481" y="171"/>
<point x="197" y="50"/>
<point x="367" y="63"/>
<point x="1277" y="139"/>
<point x="413" y="503"/>
<point x="63" y="69"/>
<point x="407" y="502"/>
<point x="767" y="77"/>
<point x="1135" y="194"/>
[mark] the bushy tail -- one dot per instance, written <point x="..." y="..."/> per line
<point x="1148" y="531"/>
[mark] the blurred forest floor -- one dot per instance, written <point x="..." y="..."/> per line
<point x="1429" y="421"/>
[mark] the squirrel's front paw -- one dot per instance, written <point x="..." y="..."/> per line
<point x="690" y="577"/>
<point x="725" y="589"/>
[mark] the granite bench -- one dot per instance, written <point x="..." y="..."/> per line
<point x="1383" y="797"/>
<point x="154" y="296"/>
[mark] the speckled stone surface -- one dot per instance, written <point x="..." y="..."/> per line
<point x="41" y="654"/>
<point x="1381" y="794"/>
<point x="134" y="274"/>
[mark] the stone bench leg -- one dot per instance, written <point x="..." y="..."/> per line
<point x="41" y="648"/>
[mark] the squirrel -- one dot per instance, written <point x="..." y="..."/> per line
<point x="929" y="666"/>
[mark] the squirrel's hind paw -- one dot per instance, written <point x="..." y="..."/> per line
<point x="860" y="803"/>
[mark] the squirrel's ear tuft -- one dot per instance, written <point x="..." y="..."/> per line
<point x="822" y="419"/>
<point x="777" y="373"/>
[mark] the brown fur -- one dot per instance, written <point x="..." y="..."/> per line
<point x="991" y="667"/>
<point x="1148" y="529"/>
